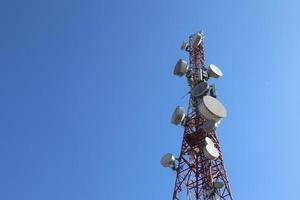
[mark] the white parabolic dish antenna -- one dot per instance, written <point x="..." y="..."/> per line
<point x="178" y="115"/>
<point x="214" y="71"/>
<point x="209" y="141"/>
<point x="210" y="152"/>
<point x="197" y="39"/>
<point x="181" y="67"/>
<point x="167" y="160"/>
<point x="200" y="89"/>
<point x="212" y="109"/>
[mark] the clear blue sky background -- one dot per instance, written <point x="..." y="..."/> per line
<point x="87" y="92"/>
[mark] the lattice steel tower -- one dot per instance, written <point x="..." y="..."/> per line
<point x="200" y="171"/>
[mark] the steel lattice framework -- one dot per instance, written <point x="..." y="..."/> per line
<point x="195" y="174"/>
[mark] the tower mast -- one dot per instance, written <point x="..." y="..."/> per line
<point x="200" y="171"/>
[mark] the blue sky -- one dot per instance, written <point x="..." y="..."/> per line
<point x="87" y="92"/>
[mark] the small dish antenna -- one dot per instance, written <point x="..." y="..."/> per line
<point x="178" y="115"/>
<point x="197" y="39"/>
<point x="214" y="71"/>
<point x="200" y="89"/>
<point x="210" y="151"/>
<point x="181" y="67"/>
<point x="168" y="160"/>
<point x="184" y="45"/>
<point x="212" y="109"/>
<point x="209" y="141"/>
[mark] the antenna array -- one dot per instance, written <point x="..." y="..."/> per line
<point x="200" y="171"/>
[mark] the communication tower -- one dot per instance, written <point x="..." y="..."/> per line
<point x="200" y="171"/>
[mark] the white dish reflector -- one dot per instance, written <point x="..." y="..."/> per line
<point x="181" y="67"/>
<point x="197" y="39"/>
<point x="178" y="115"/>
<point x="208" y="141"/>
<point x="210" y="151"/>
<point x="168" y="160"/>
<point x="214" y="71"/>
<point x="212" y="109"/>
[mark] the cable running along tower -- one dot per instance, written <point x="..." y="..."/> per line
<point x="200" y="171"/>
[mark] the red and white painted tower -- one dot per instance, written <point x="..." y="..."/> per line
<point x="200" y="171"/>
